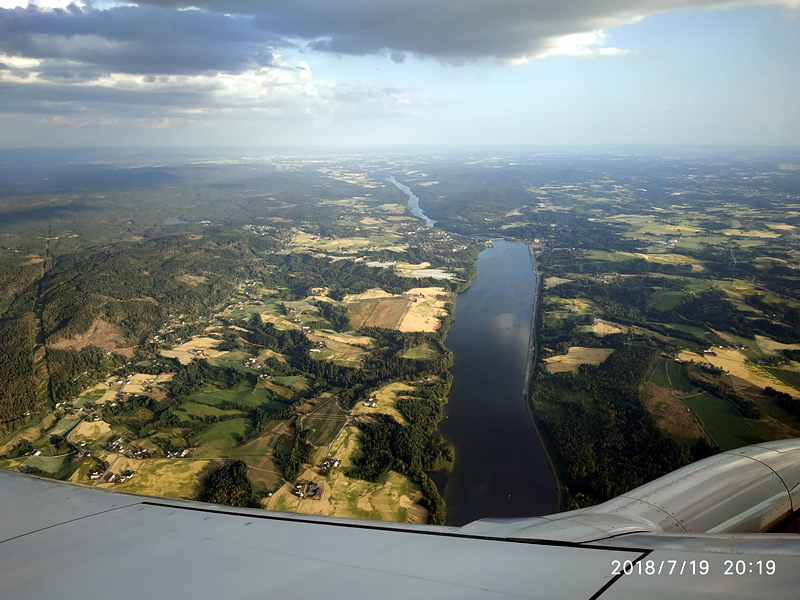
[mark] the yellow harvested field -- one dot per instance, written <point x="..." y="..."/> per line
<point x="267" y="353"/>
<point x="404" y="268"/>
<point x="140" y="381"/>
<point x="395" y="500"/>
<point x="356" y="340"/>
<point x="110" y="388"/>
<point x="90" y="431"/>
<point x="770" y="346"/>
<point x="689" y="356"/>
<point x="752" y="233"/>
<point x="552" y="282"/>
<point x="425" y="313"/>
<point x="575" y="305"/>
<point x="398" y="209"/>
<point x="279" y="322"/>
<point x="780" y="226"/>
<point x="388" y="314"/>
<point x="170" y="478"/>
<point x="387" y="398"/>
<point x="386" y="241"/>
<point x="398" y="312"/>
<point x="576" y="356"/>
<point x="665" y="259"/>
<point x="734" y="363"/>
<point x="371" y="294"/>
<point x="206" y="344"/>
<point x="602" y="328"/>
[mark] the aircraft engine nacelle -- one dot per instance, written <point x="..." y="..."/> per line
<point x="747" y="490"/>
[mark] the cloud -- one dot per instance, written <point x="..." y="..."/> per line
<point x="87" y="43"/>
<point x="165" y="62"/>
<point x="453" y="31"/>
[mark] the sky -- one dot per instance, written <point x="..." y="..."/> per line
<point x="381" y="73"/>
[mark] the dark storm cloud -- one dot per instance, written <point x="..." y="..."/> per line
<point x="53" y="97"/>
<point x="450" y="30"/>
<point x="78" y="44"/>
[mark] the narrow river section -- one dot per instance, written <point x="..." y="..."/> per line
<point x="501" y="469"/>
<point x="413" y="201"/>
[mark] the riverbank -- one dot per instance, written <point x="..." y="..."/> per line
<point x="532" y="357"/>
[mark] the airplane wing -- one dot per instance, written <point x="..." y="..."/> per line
<point x="692" y="534"/>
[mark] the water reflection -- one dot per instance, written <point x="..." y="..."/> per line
<point x="501" y="469"/>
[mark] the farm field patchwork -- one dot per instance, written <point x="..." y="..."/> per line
<point x="734" y="363"/>
<point x="667" y="373"/>
<point x="394" y="498"/>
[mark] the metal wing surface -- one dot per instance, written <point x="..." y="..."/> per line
<point x="65" y="541"/>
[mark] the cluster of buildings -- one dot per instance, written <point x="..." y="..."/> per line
<point x="80" y="455"/>
<point x="111" y="477"/>
<point x="312" y="490"/>
<point x="330" y="463"/>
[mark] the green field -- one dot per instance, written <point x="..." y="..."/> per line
<point x="64" y="426"/>
<point x="670" y="300"/>
<point x="217" y="440"/>
<point x="233" y="360"/>
<point x="698" y="285"/>
<point x="245" y="393"/>
<point x="687" y="328"/>
<point x="688" y="344"/>
<point x="89" y="398"/>
<point x="325" y="422"/>
<point x="667" y="373"/>
<point x="188" y="410"/>
<point x="791" y="378"/>
<point x="426" y="351"/>
<point x="723" y="425"/>
<point x="337" y="357"/>
<point x="714" y="339"/>
<point x="610" y="256"/>
<point x="49" y="464"/>
<point x="295" y="382"/>
<point x="259" y="447"/>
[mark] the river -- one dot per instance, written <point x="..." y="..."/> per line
<point x="501" y="467"/>
<point x="413" y="201"/>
